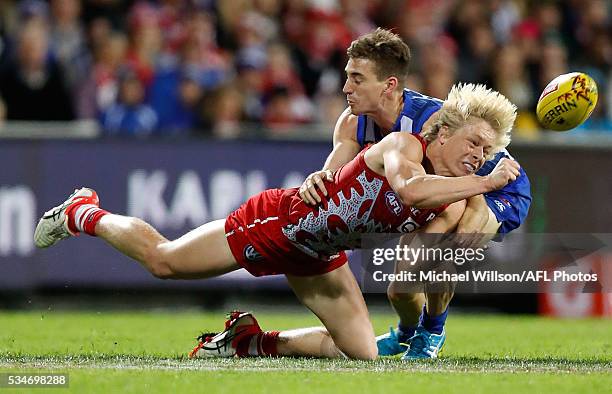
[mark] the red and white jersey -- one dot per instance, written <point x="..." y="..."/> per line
<point x="359" y="202"/>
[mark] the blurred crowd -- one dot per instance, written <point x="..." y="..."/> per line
<point x="206" y="67"/>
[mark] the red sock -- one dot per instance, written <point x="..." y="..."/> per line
<point x="269" y="342"/>
<point x="260" y="344"/>
<point x="84" y="217"/>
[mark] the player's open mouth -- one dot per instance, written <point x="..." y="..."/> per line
<point x="471" y="168"/>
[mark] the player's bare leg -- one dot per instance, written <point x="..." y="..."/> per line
<point x="438" y="297"/>
<point x="408" y="299"/>
<point x="201" y="253"/>
<point x="336" y="300"/>
<point x="438" y="301"/>
<point x="406" y="302"/>
<point x="430" y="334"/>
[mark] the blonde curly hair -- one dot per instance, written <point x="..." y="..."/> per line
<point x="467" y="102"/>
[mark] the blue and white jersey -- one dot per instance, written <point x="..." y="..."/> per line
<point x="509" y="204"/>
<point x="417" y="109"/>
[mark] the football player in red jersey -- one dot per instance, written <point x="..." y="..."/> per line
<point x="275" y="232"/>
<point x="379" y="104"/>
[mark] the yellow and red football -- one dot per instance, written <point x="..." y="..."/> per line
<point x="567" y="101"/>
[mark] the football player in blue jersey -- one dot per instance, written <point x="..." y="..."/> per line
<point x="378" y="104"/>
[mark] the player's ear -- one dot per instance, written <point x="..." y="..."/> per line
<point x="443" y="134"/>
<point x="391" y="84"/>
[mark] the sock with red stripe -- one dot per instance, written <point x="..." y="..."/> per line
<point x="262" y="344"/>
<point x="84" y="217"/>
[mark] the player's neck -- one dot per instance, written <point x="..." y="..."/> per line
<point x="388" y="112"/>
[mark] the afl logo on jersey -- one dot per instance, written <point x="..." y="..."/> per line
<point x="393" y="203"/>
<point x="251" y="254"/>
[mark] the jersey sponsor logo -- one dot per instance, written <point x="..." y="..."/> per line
<point x="393" y="203"/>
<point x="251" y="254"/>
<point x="408" y="226"/>
<point x="499" y="205"/>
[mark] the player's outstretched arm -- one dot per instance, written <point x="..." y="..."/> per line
<point x="400" y="156"/>
<point x="345" y="149"/>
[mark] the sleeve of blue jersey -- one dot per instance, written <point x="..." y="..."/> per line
<point x="511" y="204"/>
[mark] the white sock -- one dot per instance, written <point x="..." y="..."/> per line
<point x="82" y="213"/>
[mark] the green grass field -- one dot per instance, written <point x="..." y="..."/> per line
<point x="112" y="352"/>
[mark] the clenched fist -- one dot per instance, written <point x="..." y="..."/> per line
<point x="506" y="171"/>
<point x="308" y="190"/>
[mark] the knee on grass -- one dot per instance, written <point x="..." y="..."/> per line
<point x="363" y="350"/>
<point x="365" y="353"/>
<point x="353" y="348"/>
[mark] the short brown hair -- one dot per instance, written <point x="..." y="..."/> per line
<point x="387" y="50"/>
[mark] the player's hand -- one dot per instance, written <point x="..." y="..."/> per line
<point x="308" y="191"/>
<point x="472" y="230"/>
<point x="506" y="171"/>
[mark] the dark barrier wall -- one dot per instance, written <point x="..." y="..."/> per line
<point x="174" y="186"/>
<point x="178" y="186"/>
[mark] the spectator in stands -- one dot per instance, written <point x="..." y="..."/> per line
<point x="145" y="41"/>
<point x="222" y="112"/>
<point x="510" y="78"/>
<point x="322" y="48"/>
<point x="549" y="18"/>
<point x="284" y="90"/>
<point x="99" y="30"/>
<point x="475" y="60"/>
<point x="288" y="54"/>
<point x="171" y="17"/>
<point x="250" y="66"/>
<point x="200" y="51"/>
<point x="554" y="62"/>
<point x="505" y="15"/>
<point x="100" y="90"/>
<point x="32" y="84"/>
<point x="174" y="96"/>
<point x="439" y="64"/>
<point x="294" y="20"/>
<point x="68" y="42"/>
<point x="179" y="82"/>
<point x="526" y="36"/>
<point x="129" y="116"/>
<point x="356" y="16"/>
<point x="331" y="106"/>
<point x="279" y="115"/>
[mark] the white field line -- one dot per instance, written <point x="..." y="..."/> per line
<point x="208" y="365"/>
